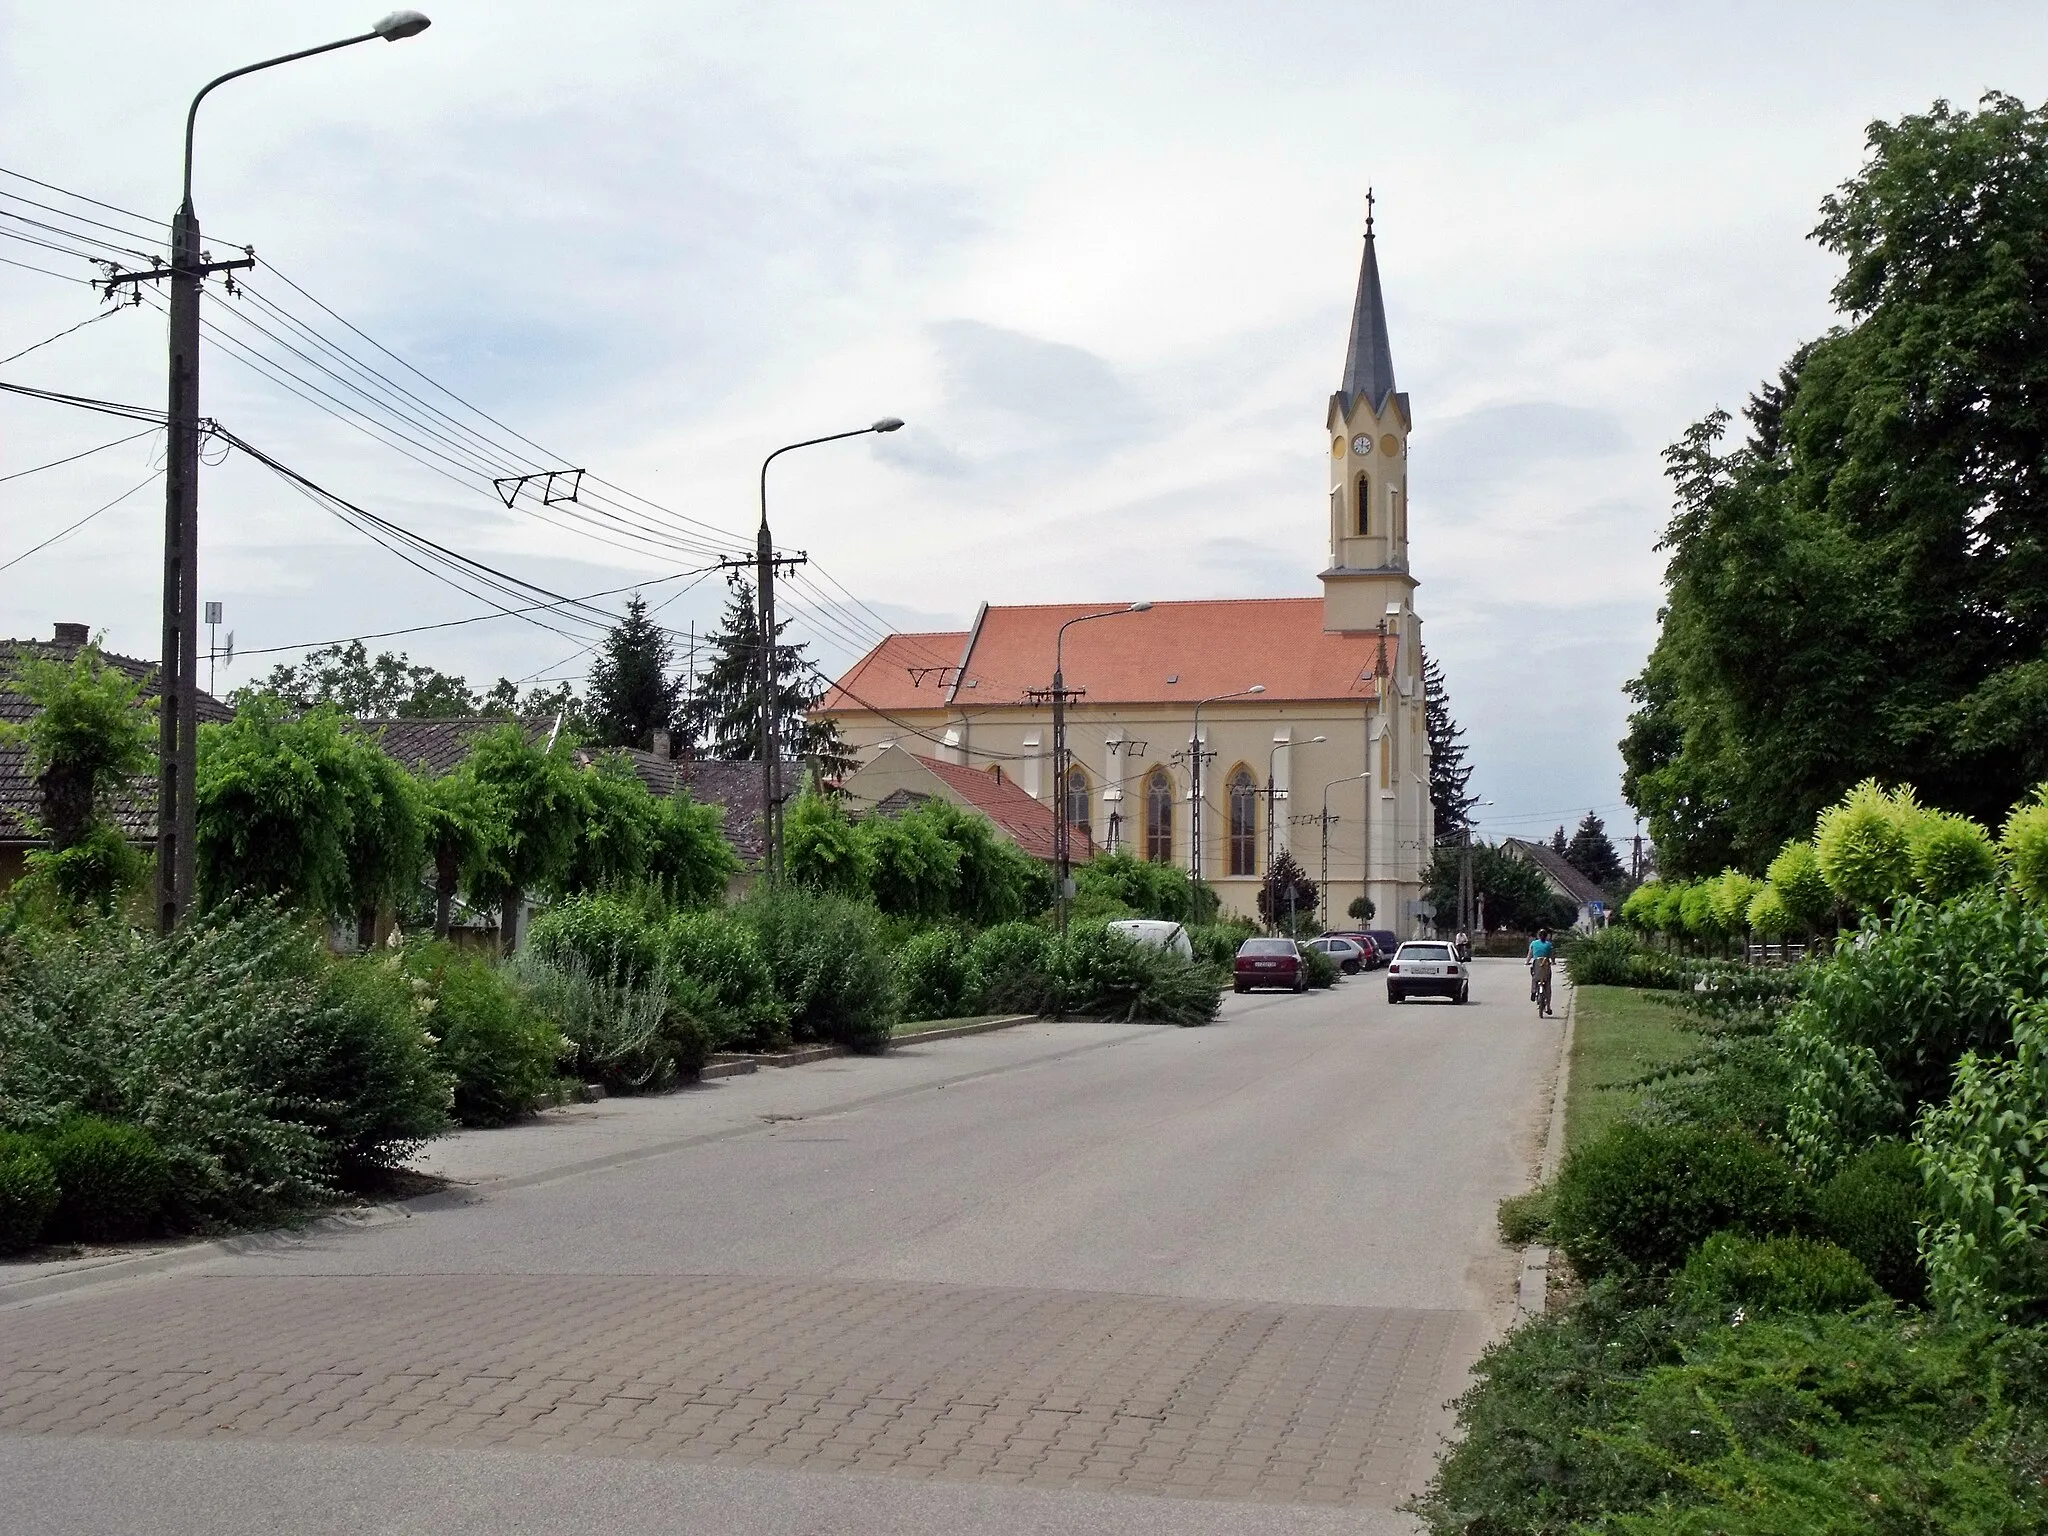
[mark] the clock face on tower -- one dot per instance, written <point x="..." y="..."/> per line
<point x="1362" y="443"/>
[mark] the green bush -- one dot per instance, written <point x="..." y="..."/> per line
<point x="1322" y="970"/>
<point x="1874" y="1208"/>
<point x="1215" y="944"/>
<point x="608" y="933"/>
<point x="502" y="1054"/>
<point x="1525" y="1218"/>
<point x="619" y="1029"/>
<point x="1012" y="968"/>
<point x="1735" y="1081"/>
<point x="1986" y="1157"/>
<point x="1864" y="845"/>
<point x="1795" y="874"/>
<point x="1615" y="957"/>
<point x="831" y="967"/>
<point x="1777" y="1274"/>
<point x="723" y="958"/>
<point x="1145" y="888"/>
<point x="265" y="1072"/>
<point x="2024" y="843"/>
<point x="111" y="1180"/>
<point x="931" y="975"/>
<point x="1104" y="975"/>
<point x="1636" y="1201"/>
<point x="28" y="1193"/>
<point x="1951" y="855"/>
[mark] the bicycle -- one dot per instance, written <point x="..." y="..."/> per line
<point x="1539" y="993"/>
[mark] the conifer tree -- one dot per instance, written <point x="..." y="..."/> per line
<point x="631" y="693"/>
<point x="1592" y="853"/>
<point x="1449" y="773"/>
<point x="725" y="709"/>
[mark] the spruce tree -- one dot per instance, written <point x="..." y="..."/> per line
<point x="1449" y="773"/>
<point x="631" y="693"/>
<point x="1592" y="854"/>
<point x="725" y="708"/>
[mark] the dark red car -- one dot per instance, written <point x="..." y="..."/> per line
<point x="1269" y="963"/>
<point x="1376" y="948"/>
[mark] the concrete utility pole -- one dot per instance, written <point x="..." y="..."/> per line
<point x="1323" y="894"/>
<point x="1275" y="794"/>
<point x="765" y="561"/>
<point x="1195" y="755"/>
<point x="178" y="675"/>
<point x="1058" y="694"/>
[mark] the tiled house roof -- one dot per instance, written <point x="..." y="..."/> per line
<point x="133" y="809"/>
<point x="1558" y="871"/>
<point x="1026" y="820"/>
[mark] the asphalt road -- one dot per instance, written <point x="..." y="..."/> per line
<point x="1062" y="1277"/>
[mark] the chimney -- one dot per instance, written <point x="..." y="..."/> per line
<point x="73" y="634"/>
<point x="661" y="745"/>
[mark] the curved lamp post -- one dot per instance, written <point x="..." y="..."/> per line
<point x="764" y="579"/>
<point x="1195" y="777"/>
<point x="1323" y="892"/>
<point x="1062" y="837"/>
<point x="178" y="687"/>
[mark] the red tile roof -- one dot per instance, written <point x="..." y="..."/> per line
<point x="1174" y="653"/>
<point x="1027" y="821"/>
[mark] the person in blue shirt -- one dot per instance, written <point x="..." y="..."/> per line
<point x="1541" y="954"/>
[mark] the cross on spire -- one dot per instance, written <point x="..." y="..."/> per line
<point x="1368" y="212"/>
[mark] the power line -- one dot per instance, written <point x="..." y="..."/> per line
<point x="88" y="320"/>
<point x="86" y="403"/>
<point x="62" y="277"/>
<point x="49" y="186"/>
<point x="74" y="458"/>
<point x="65" y="533"/>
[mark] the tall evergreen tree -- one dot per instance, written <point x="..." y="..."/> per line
<point x="1558" y="841"/>
<point x="1592" y="854"/>
<point x="1449" y="773"/>
<point x="631" y="693"/>
<point x="725" y="708"/>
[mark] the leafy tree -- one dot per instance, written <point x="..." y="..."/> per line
<point x="1449" y="773"/>
<point x="1860" y="590"/>
<point x="1287" y="897"/>
<point x="543" y="801"/>
<point x="385" y="845"/>
<point x="1361" y="909"/>
<point x="820" y="846"/>
<point x="913" y="867"/>
<point x="690" y="858"/>
<point x="276" y="794"/>
<point x="461" y="823"/>
<point x="1516" y="894"/>
<point x="391" y="685"/>
<point x="617" y="835"/>
<point x="92" y="729"/>
<point x="1140" y="888"/>
<point x="559" y="702"/>
<point x="998" y="881"/>
<point x="631" y="693"/>
<point x="1592" y="854"/>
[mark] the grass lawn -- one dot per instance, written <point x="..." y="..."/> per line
<point x="1619" y="1033"/>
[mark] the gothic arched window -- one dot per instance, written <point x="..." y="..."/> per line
<point x="1244" y="822"/>
<point x="1365" y="504"/>
<point x="1159" y="817"/>
<point x="1078" y="799"/>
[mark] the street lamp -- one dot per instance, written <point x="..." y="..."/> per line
<point x="1273" y="794"/>
<point x="764" y="579"/>
<point x="178" y="681"/>
<point x="1323" y="893"/>
<point x="1195" y="781"/>
<point x="1062" y="839"/>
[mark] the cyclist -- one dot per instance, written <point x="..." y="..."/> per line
<point x="1542" y="955"/>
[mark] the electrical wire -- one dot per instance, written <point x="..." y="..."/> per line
<point x="88" y="320"/>
<point x="86" y="403"/>
<point x="74" y="458"/>
<point x="50" y="186"/>
<point x="85" y="236"/>
<point x="80" y="218"/>
<point x="62" y="277"/>
<point x="67" y="532"/>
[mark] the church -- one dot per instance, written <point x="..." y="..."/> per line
<point x="1218" y="733"/>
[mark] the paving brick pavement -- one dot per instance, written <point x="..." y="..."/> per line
<point x="1157" y="1394"/>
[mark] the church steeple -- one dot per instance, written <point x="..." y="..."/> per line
<point x="1369" y="364"/>
<point x="1368" y="421"/>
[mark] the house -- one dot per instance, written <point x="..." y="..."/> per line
<point x="1212" y="734"/>
<point x="133" y="806"/>
<point x="893" y="780"/>
<point x="1564" y="880"/>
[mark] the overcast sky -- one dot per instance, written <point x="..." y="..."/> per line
<point x="1100" y="257"/>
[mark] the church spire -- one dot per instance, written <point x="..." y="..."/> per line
<point x="1369" y="364"/>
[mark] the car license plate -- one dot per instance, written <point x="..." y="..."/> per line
<point x="1429" y="970"/>
<point x="1264" y="965"/>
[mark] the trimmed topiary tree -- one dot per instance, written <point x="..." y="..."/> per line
<point x="1951" y="855"/>
<point x="112" y="1180"/>
<point x="1801" y="887"/>
<point x="1864" y="845"/>
<point x="2025" y="845"/>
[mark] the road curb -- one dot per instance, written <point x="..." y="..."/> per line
<point x="957" y="1031"/>
<point x="1533" y="1292"/>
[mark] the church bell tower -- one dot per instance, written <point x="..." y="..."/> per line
<point x="1368" y="581"/>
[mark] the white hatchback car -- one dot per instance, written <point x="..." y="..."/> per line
<point x="1154" y="934"/>
<point x="1428" y="969"/>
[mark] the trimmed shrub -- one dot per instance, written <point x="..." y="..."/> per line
<point x="1777" y="1274"/>
<point x="1732" y="892"/>
<point x="1796" y="876"/>
<point x="608" y="933"/>
<point x="2025" y="845"/>
<point x="1322" y="970"/>
<point x="1864" y="846"/>
<point x="1104" y="975"/>
<point x="111" y="1180"/>
<point x="1636" y="1201"/>
<point x="1874" y="1209"/>
<point x="1951" y="855"/>
<point x="28" y="1193"/>
<point x="931" y="975"/>
<point x="502" y="1054"/>
<point x="1768" y="917"/>
<point x="1011" y="969"/>
<point x="830" y="965"/>
<point x="1735" y="1081"/>
<point x="723" y="959"/>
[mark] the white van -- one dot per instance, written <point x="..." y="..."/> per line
<point x="1155" y="934"/>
